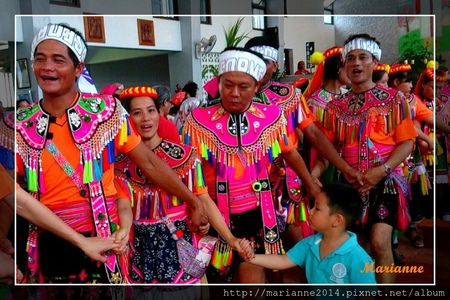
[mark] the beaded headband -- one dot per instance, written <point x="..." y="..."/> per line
<point x="399" y="68"/>
<point x="61" y="34"/>
<point x="383" y="67"/>
<point x="363" y="44"/>
<point x="242" y="61"/>
<point x="138" y="91"/>
<point x="332" y="51"/>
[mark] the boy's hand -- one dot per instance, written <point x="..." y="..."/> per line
<point x="121" y="237"/>
<point x="246" y="249"/>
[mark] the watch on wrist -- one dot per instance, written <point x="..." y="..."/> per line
<point x="387" y="169"/>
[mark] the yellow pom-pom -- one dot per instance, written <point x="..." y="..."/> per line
<point x="433" y="64"/>
<point x="316" y="58"/>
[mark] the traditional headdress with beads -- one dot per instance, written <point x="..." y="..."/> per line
<point x="138" y="91"/>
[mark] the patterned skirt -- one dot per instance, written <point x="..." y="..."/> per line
<point x="154" y="255"/>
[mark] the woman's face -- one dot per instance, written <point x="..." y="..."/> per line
<point x="145" y="116"/>
<point x="383" y="80"/>
<point x="405" y="87"/>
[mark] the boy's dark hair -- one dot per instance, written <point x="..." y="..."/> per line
<point x="344" y="199"/>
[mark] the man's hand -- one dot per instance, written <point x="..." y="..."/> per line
<point x="197" y="216"/>
<point x="354" y="177"/>
<point x="371" y="178"/>
<point x="94" y="247"/>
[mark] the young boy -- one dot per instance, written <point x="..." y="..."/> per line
<point x="333" y="255"/>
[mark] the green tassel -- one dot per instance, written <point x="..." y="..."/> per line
<point x="277" y="148"/>
<point x="225" y="257"/>
<point x="88" y="174"/>
<point x="199" y="174"/>
<point x="32" y="180"/>
<point x="302" y="215"/>
<point x="204" y="151"/>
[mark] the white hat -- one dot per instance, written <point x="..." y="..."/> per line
<point x="242" y="60"/>
<point x="61" y="34"/>
<point x="363" y="44"/>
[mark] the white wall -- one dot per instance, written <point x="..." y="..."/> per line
<point x="301" y="29"/>
<point x="121" y="31"/>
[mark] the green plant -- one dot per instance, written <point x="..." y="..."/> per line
<point x="232" y="36"/>
<point x="209" y="69"/>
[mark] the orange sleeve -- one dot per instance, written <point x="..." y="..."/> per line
<point x="133" y="139"/>
<point x="121" y="194"/>
<point x="7" y="183"/>
<point x="404" y="131"/>
<point x="422" y="112"/>
<point x="305" y="116"/>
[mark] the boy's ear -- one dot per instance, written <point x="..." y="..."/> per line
<point x="339" y="220"/>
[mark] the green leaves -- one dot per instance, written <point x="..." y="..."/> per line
<point x="232" y="36"/>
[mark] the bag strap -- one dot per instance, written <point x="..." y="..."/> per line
<point x="98" y="207"/>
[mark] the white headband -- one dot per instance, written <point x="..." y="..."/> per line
<point x="242" y="61"/>
<point x="363" y="44"/>
<point x="63" y="35"/>
<point x="266" y="51"/>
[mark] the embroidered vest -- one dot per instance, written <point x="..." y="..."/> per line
<point x="150" y="203"/>
<point x="286" y="97"/>
<point x="94" y="122"/>
<point x="318" y="101"/>
<point x="251" y="135"/>
<point x="347" y="115"/>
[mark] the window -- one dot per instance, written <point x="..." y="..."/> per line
<point x="328" y="15"/>
<point x="259" y="10"/>
<point x="167" y="8"/>
<point x="75" y="3"/>
<point x="205" y="11"/>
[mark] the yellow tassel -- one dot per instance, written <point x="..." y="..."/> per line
<point x="123" y="137"/>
